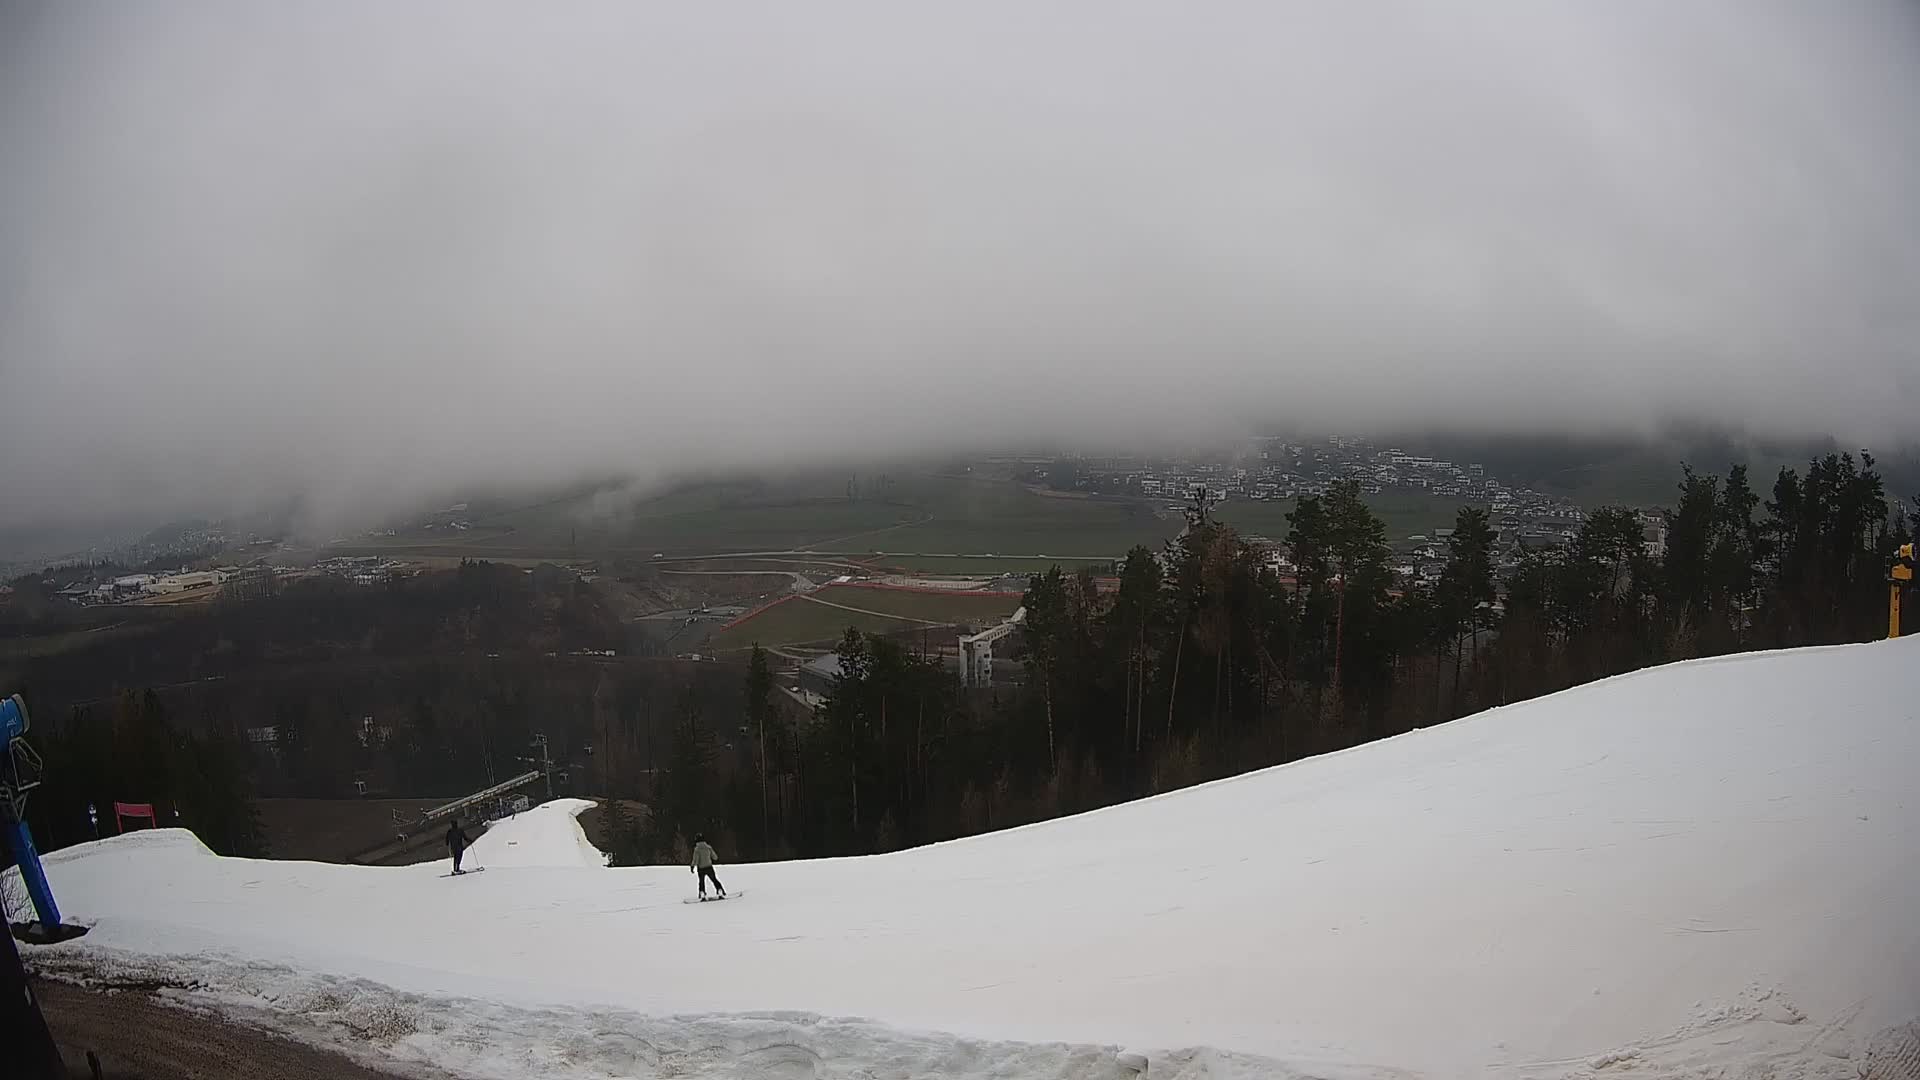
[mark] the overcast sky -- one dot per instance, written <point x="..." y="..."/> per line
<point x="364" y="251"/>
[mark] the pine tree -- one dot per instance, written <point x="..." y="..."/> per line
<point x="1137" y="613"/>
<point x="1313" y="589"/>
<point x="689" y="782"/>
<point x="1047" y="632"/>
<point x="617" y="833"/>
<point x="846" y="731"/>
<point x="1738" y="551"/>
<point x="1691" y="532"/>
<point x="1357" y="547"/>
<point x="759" y="693"/>
<point x="1464" y="597"/>
<point x="214" y="797"/>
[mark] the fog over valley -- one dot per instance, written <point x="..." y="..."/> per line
<point x="359" y="256"/>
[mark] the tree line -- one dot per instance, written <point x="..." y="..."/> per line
<point x="1205" y="659"/>
<point x="135" y="752"/>
<point x="430" y="686"/>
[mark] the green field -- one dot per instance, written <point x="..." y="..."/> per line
<point x="965" y="516"/>
<point x="713" y="518"/>
<point x="914" y="514"/>
<point x="923" y="521"/>
<point x="801" y="621"/>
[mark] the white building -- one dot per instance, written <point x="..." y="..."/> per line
<point x="976" y="651"/>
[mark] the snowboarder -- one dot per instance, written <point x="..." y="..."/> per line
<point x="457" y="844"/>
<point x="703" y="866"/>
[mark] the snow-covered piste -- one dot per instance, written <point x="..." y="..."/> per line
<point x="1710" y="868"/>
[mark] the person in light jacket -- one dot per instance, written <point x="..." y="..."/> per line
<point x="703" y="866"/>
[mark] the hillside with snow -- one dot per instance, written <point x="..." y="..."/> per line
<point x="1703" y="869"/>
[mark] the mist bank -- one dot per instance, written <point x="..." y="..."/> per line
<point x="362" y="257"/>
<point x="1641" y="471"/>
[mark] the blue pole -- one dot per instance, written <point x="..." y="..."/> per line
<point x="21" y="841"/>
<point x="13" y="724"/>
<point x="13" y="718"/>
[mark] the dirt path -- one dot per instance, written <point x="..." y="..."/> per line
<point x="135" y="1036"/>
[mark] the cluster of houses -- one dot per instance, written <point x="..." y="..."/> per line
<point x="187" y="584"/>
<point x="127" y="588"/>
<point x="1524" y="519"/>
<point x="1420" y="558"/>
<point x="362" y="569"/>
<point x="1284" y="470"/>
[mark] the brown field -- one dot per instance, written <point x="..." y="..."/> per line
<point x="333" y="830"/>
<point x="929" y="605"/>
<point x="824" y="615"/>
<point x="592" y="820"/>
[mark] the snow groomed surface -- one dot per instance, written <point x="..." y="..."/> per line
<point x="1707" y="868"/>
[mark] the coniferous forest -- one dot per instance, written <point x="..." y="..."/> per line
<point x="1205" y="661"/>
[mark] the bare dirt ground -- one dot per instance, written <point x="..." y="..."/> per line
<point x="333" y="830"/>
<point x="135" y="1036"/>
<point x="593" y="820"/>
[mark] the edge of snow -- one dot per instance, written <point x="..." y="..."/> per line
<point x="431" y="1035"/>
<point x="381" y="1027"/>
<point x="1319" y="760"/>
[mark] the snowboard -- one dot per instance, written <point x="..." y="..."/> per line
<point x="713" y="899"/>
<point x="464" y="873"/>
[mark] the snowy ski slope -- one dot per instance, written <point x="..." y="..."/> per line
<point x="1704" y="869"/>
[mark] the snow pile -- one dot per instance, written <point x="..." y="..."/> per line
<point x="179" y="842"/>
<point x="546" y="835"/>
<point x="1701" y="869"/>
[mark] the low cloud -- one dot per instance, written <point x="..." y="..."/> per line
<point x="360" y="253"/>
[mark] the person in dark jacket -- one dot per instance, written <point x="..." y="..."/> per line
<point x="457" y="844"/>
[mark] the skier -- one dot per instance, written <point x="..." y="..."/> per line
<point x="457" y="844"/>
<point x="703" y="866"/>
